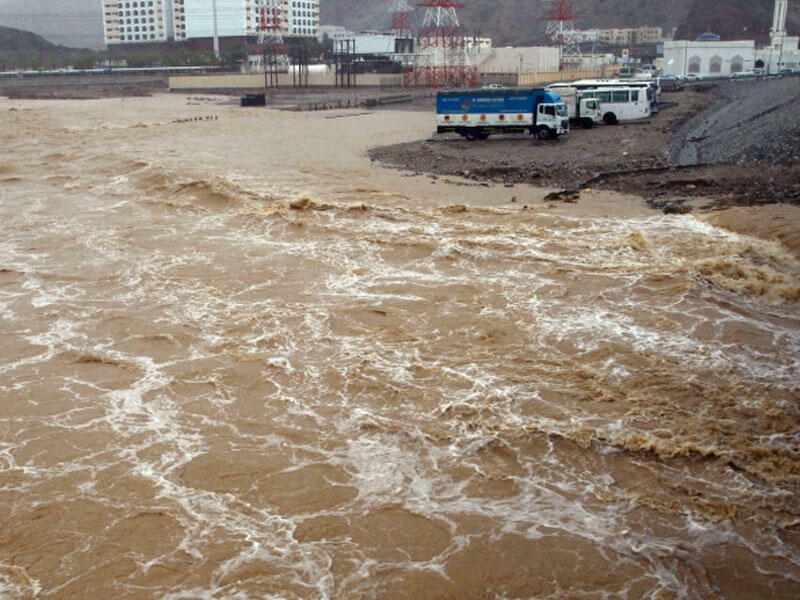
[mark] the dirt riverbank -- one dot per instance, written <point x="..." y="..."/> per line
<point x="715" y="145"/>
<point x="687" y="157"/>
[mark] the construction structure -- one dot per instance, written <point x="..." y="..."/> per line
<point x="344" y="52"/>
<point x="272" y="58"/>
<point x="442" y="59"/>
<point x="561" y="31"/>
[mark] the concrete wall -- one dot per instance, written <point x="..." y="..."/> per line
<point x="256" y="81"/>
<point x="526" y="79"/>
<point x="544" y="78"/>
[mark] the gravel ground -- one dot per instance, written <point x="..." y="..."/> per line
<point x="752" y="121"/>
<point x="713" y="145"/>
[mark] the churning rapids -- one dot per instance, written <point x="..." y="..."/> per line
<point x="241" y="361"/>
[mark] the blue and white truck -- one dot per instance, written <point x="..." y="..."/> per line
<point x="477" y="113"/>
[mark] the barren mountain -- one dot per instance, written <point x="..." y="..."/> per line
<point x="511" y="22"/>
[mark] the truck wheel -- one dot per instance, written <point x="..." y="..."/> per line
<point x="610" y="118"/>
<point x="587" y="123"/>
<point x="543" y="133"/>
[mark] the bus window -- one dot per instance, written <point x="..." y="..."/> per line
<point x="619" y="96"/>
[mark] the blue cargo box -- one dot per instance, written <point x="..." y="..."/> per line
<point x="518" y="100"/>
<point x="478" y="113"/>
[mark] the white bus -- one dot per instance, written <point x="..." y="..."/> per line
<point x="597" y="84"/>
<point x="619" y="100"/>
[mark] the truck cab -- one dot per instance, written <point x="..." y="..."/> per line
<point x="551" y="120"/>
<point x="587" y="112"/>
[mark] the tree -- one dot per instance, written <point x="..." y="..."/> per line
<point x="232" y="57"/>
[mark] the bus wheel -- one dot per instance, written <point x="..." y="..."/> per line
<point x="610" y="118"/>
<point x="471" y="136"/>
<point x="543" y="133"/>
<point x="587" y="123"/>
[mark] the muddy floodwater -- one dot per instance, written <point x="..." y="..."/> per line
<point x="239" y="360"/>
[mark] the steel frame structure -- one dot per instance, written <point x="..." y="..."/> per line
<point x="561" y="30"/>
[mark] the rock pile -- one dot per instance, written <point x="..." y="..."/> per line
<point x="754" y="120"/>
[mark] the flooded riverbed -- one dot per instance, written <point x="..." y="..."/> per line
<point x="241" y="361"/>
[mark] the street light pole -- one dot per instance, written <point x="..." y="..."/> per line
<point x="216" y="32"/>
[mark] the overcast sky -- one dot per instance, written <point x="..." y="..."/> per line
<point x="73" y="23"/>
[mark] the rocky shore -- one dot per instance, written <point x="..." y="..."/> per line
<point x="712" y="145"/>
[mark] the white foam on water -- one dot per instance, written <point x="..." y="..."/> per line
<point x="479" y="371"/>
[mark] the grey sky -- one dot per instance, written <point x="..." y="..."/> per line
<point x="74" y="23"/>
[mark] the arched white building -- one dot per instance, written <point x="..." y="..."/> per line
<point x="707" y="56"/>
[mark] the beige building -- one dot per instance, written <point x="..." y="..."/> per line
<point x="630" y="36"/>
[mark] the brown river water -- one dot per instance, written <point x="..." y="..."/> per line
<point x="241" y="361"/>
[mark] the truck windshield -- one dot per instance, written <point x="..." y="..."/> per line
<point x="561" y="110"/>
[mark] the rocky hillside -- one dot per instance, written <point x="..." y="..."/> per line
<point x="25" y="50"/>
<point x="511" y="22"/>
<point x="736" y="19"/>
<point x="23" y="41"/>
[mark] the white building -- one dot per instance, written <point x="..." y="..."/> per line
<point x="207" y="18"/>
<point x="300" y="17"/>
<point x="140" y="21"/>
<point x="367" y="42"/>
<point x="134" y="21"/>
<point x="510" y="60"/>
<point x="783" y="51"/>
<point x="710" y="57"/>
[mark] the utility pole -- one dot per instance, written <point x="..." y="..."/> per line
<point x="216" y="32"/>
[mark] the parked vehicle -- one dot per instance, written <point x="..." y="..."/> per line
<point x="579" y="111"/>
<point x="626" y="72"/>
<point x="670" y="83"/>
<point x="587" y="112"/>
<point x="478" y="113"/>
<point x="618" y="100"/>
<point x="564" y="88"/>
<point x="621" y="104"/>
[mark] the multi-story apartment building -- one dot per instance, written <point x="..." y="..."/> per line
<point x="141" y="21"/>
<point x="301" y="17"/>
<point x="134" y="21"/>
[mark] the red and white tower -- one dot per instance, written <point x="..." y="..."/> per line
<point x="270" y="39"/>
<point x="443" y="57"/>
<point x="561" y="30"/>
<point x="401" y="19"/>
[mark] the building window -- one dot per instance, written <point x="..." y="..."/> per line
<point x="737" y="64"/>
<point x="694" y="64"/>
<point x="715" y="65"/>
